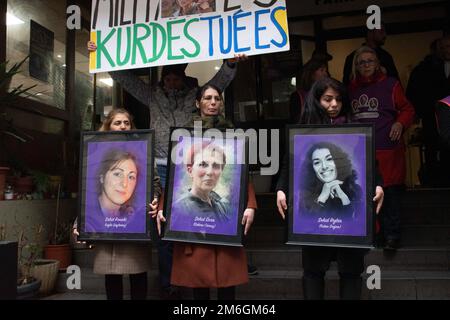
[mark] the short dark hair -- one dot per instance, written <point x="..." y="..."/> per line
<point x="202" y="89"/>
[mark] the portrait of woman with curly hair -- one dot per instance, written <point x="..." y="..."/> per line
<point x="328" y="185"/>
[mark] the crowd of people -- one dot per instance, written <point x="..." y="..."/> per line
<point x="370" y="92"/>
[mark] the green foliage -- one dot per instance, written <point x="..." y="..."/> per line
<point x="41" y="182"/>
<point x="7" y="96"/>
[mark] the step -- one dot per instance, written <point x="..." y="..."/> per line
<point x="289" y="257"/>
<point x="283" y="284"/>
<point x="279" y="284"/>
<point x="412" y="235"/>
<point x="405" y="259"/>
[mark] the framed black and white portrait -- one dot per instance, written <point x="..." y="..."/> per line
<point x="331" y="185"/>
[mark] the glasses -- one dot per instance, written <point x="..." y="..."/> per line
<point x="365" y="62"/>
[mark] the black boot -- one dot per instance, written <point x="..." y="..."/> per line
<point x="313" y="289"/>
<point x="350" y="288"/>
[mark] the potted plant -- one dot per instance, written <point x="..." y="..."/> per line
<point x="59" y="240"/>
<point x="28" y="252"/>
<point x="46" y="270"/>
<point x="21" y="177"/>
<point x="59" y="245"/>
<point x="41" y="182"/>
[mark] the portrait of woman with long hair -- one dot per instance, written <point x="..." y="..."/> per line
<point x="328" y="185"/>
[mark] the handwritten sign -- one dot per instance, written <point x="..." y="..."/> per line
<point x="144" y="33"/>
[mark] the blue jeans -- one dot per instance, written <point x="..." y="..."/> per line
<point x="165" y="248"/>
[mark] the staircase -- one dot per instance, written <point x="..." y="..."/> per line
<point x="420" y="269"/>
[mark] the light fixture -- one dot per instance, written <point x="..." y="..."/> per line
<point x="216" y="68"/>
<point x="39" y="94"/>
<point x="12" y="20"/>
<point x="107" y="81"/>
<point x="294" y="81"/>
<point x="59" y="56"/>
<point x="64" y="65"/>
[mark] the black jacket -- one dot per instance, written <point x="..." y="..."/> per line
<point x="427" y="85"/>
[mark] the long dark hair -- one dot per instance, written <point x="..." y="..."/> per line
<point x="313" y="112"/>
<point x="311" y="186"/>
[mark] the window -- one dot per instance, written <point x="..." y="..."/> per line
<point x="36" y="30"/>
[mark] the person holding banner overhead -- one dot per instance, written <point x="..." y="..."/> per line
<point x="171" y="103"/>
<point x="117" y="259"/>
<point x="326" y="104"/>
<point x="201" y="266"/>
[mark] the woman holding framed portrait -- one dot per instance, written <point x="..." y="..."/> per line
<point x="116" y="184"/>
<point x="206" y="266"/>
<point x="326" y="104"/>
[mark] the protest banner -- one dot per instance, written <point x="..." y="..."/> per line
<point x="145" y="33"/>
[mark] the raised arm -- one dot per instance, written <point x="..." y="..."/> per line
<point x="227" y="72"/>
<point x="129" y="81"/>
<point x="133" y="85"/>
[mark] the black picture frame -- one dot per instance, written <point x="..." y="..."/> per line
<point x="319" y="212"/>
<point x="101" y="151"/>
<point x="223" y="227"/>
